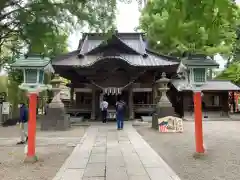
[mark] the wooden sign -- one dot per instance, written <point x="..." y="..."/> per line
<point x="5" y="108"/>
<point x="170" y="124"/>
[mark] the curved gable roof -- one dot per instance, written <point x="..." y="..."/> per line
<point x="132" y="41"/>
<point x="141" y="56"/>
<point x="113" y="40"/>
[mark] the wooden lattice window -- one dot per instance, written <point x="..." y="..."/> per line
<point x="199" y="75"/>
<point x="31" y="76"/>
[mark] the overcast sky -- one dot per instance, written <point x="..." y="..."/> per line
<point x="127" y="20"/>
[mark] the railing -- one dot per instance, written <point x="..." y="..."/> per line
<point x="78" y="109"/>
<point x="144" y="107"/>
<point x="78" y="106"/>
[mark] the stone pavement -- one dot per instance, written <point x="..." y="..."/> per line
<point x="105" y="153"/>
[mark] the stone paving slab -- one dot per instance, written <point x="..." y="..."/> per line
<point x="105" y="153"/>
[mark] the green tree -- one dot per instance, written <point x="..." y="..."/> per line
<point x="3" y="83"/>
<point x="52" y="45"/>
<point x="231" y="73"/>
<point x="24" y="22"/>
<point x="177" y="26"/>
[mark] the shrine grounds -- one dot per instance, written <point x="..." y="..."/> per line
<point x="222" y="141"/>
<point x="222" y="160"/>
<point x="52" y="150"/>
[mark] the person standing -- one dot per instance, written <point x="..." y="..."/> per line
<point x="23" y="121"/>
<point x="120" y="108"/>
<point x="104" y="107"/>
<point x="47" y="106"/>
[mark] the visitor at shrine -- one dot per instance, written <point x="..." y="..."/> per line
<point x="120" y="109"/>
<point x="104" y="108"/>
<point x="23" y="122"/>
<point x="47" y="106"/>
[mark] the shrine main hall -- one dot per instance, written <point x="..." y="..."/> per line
<point x="123" y="66"/>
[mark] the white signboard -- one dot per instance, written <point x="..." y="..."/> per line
<point x="5" y="107"/>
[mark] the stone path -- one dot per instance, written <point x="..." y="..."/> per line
<point x="106" y="154"/>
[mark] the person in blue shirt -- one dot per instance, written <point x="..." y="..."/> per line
<point x="120" y="109"/>
<point x="23" y="121"/>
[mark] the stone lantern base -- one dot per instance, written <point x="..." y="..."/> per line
<point x="162" y="112"/>
<point x="55" y="119"/>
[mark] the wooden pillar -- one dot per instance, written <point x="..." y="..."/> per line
<point x="233" y="102"/>
<point x="225" y="104"/>
<point x="198" y="122"/>
<point x="236" y="102"/>
<point x="148" y="98"/>
<point x="71" y="95"/>
<point x="130" y="103"/>
<point x="93" y="113"/>
<point x="155" y="93"/>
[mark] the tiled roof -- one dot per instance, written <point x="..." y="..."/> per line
<point x="89" y="45"/>
<point x="212" y="85"/>
<point x="66" y="56"/>
<point x="199" y="61"/>
<point x="134" y="60"/>
<point x="136" y="42"/>
<point x="31" y="61"/>
<point x="143" y="57"/>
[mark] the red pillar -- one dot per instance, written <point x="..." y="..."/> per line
<point x="198" y="122"/>
<point x="32" y="125"/>
<point x="236" y="102"/>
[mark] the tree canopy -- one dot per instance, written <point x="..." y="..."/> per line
<point x="232" y="73"/>
<point x="42" y="23"/>
<point x="178" y="26"/>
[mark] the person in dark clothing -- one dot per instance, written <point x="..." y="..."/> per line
<point x="120" y="109"/>
<point x="23" y="121"/>
<point x="47" y="106"/>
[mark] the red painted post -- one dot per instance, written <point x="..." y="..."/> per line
<point x="198" y="122"/>
<point x="236" y="102"/>
<point x="32" y="126"/>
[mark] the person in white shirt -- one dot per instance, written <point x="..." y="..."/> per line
<point x="104" y="107"/>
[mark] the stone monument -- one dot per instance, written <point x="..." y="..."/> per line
<point x="164" y="106"/>
<point x="56" y="117"/>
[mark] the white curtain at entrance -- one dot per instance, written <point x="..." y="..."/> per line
<point x="112" y="91"/>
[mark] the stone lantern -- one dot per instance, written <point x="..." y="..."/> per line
<point x="163" y="88"/>
<point x="33" y="66"/>
<point x="56" y="101"/>
<point x="164" y="106"/>
<point x="56" y="117"/>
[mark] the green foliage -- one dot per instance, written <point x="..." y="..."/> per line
<point x="232" y="73"/>
<point x="3" y="83"/>
<point x="177" y="26"/>
<point x="32" y="22"/>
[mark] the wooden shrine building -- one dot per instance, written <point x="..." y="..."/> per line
<point x="122" y="65"/>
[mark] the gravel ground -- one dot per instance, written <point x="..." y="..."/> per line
<point x="52" y="149"/>
<point x="221" y="139"/>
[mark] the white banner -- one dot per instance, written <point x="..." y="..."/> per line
<point x="5" y="107"/>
